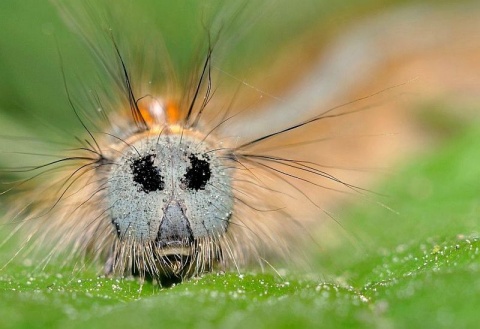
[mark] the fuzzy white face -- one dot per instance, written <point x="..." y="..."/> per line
<point x="170" y="189"/>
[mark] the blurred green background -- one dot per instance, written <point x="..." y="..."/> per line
<point x="417" y="268"/>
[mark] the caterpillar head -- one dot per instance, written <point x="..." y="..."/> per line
<point x="169" y="196"/>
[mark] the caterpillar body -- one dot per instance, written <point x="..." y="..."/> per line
<point x="171" y="176"/>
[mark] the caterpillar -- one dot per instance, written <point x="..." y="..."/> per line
<point x="171" y="175"/>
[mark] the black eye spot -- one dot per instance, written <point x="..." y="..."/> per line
<point x="146" y="174"/>
<point x="198" y="174"/>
